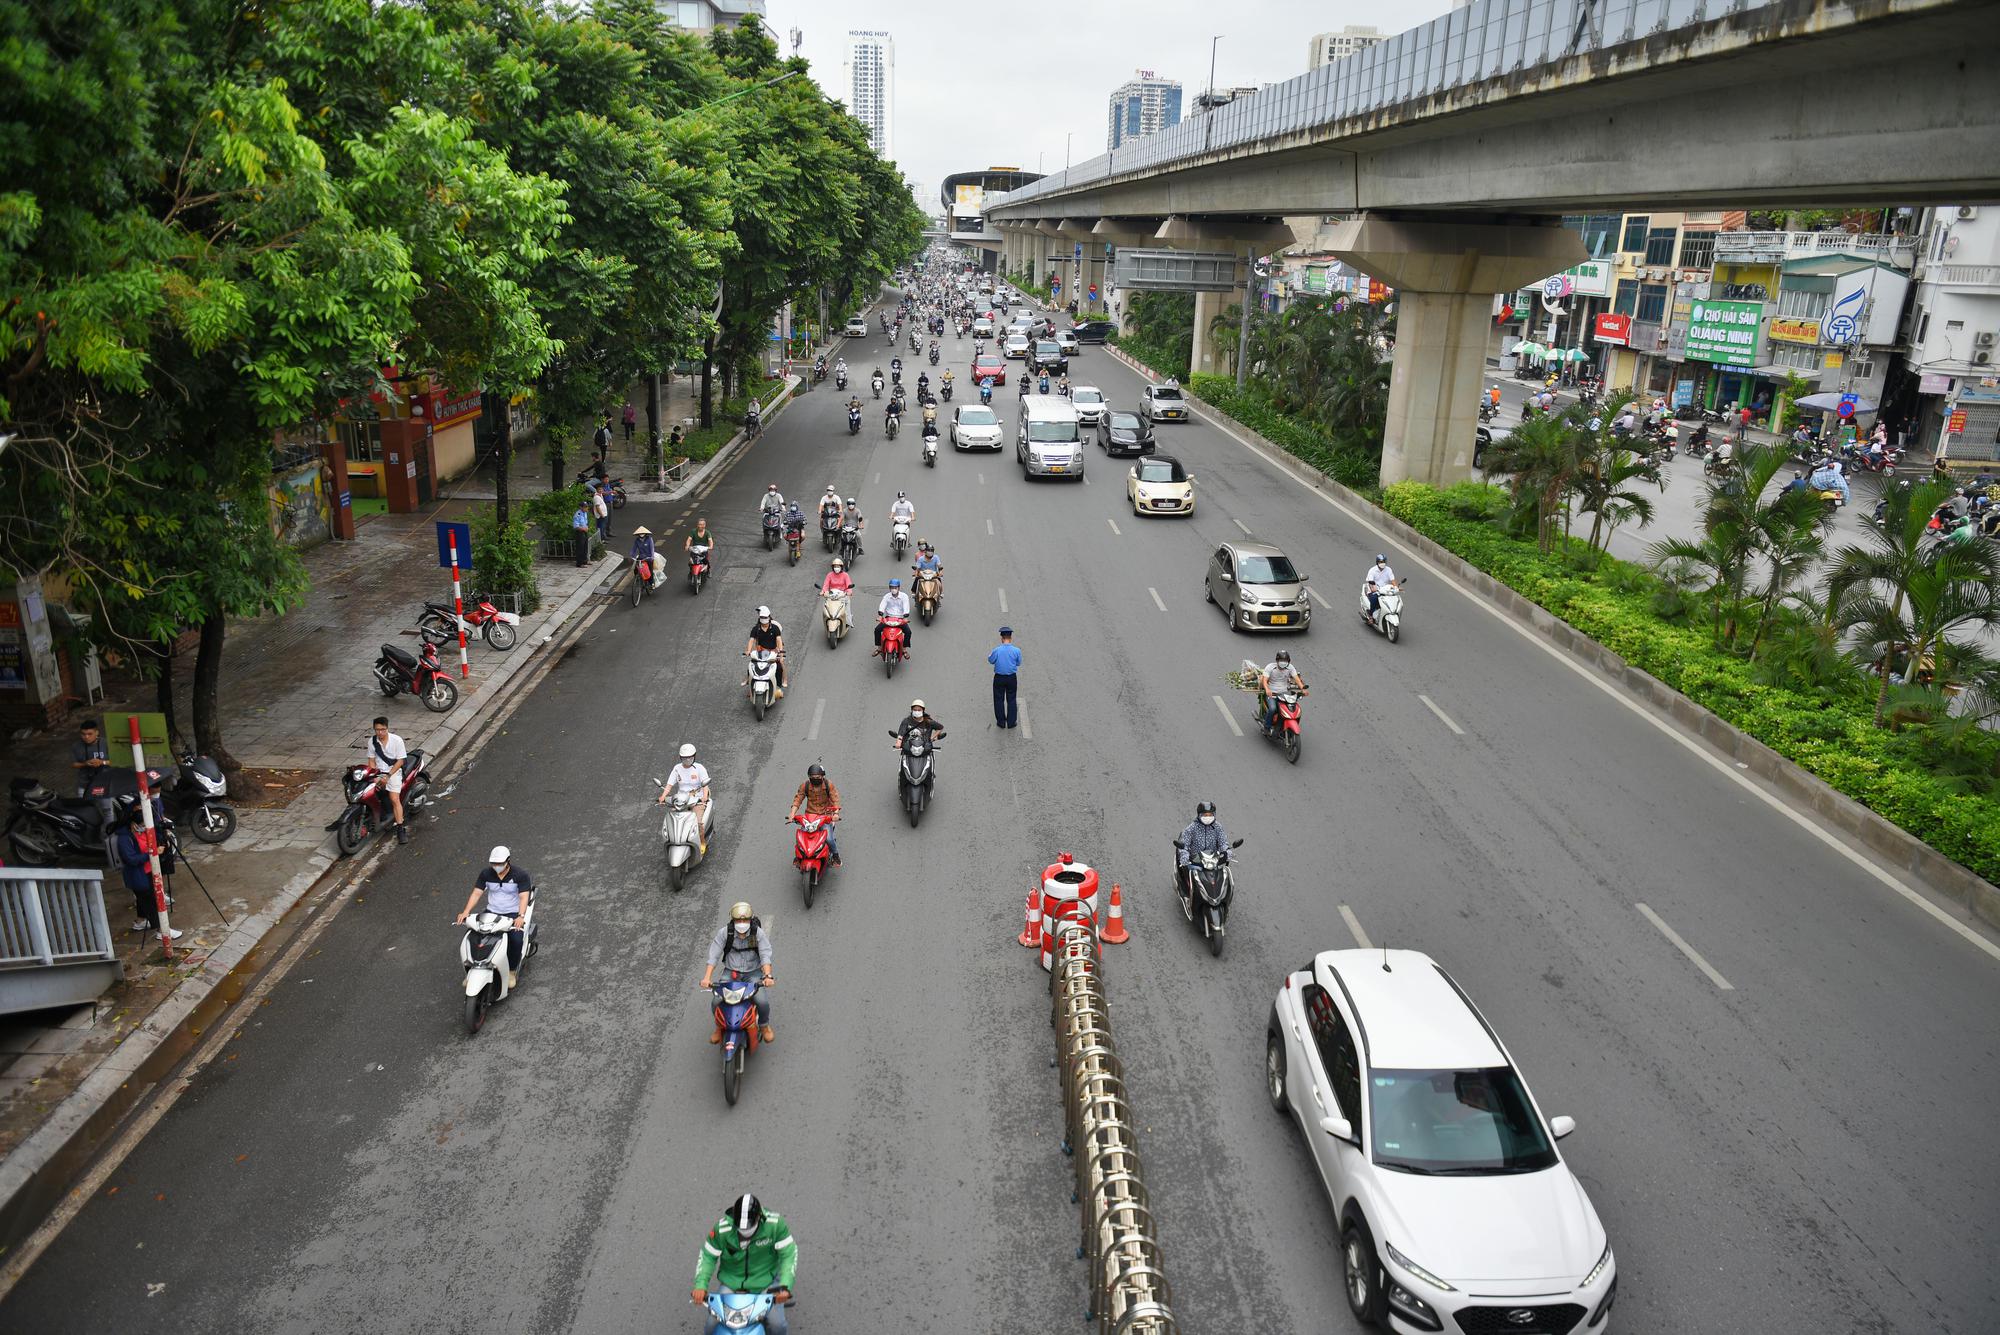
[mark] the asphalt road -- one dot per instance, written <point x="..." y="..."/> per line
<point x="1808" y="1150"/>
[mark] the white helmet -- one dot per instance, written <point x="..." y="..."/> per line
<point x="498" y="857"/>
<point x="687" y="750"/>
<point x="763" y="614"/>
<point x="839" y="564"/>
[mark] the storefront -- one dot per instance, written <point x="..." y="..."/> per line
<point x="1726" y="337"/>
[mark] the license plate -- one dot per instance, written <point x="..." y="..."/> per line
<point x="1281" y="618"/>
<point x="1058" y="468"/>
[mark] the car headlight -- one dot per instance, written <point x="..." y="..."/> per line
<point x="1597" y="1271"/>
<point x="1415" y="1269"/>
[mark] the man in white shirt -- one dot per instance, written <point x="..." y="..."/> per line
<point x="895" y="603"/>
<point x="385" y="756"/>
<point x="903" y="510"/>
<point x="1378" y="578"/>
<point x="1278" y="678"/>
<point x="690" y="776"/>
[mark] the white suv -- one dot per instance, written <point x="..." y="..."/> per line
<point x="1454" y="1204"/>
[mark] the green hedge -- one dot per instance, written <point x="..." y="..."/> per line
<point x="1833" y="739"/>
<point x="1351" y="465"/>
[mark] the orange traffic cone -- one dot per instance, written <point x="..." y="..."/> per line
<point x="1114" y="933"/>
<point x="1031" y="935"/>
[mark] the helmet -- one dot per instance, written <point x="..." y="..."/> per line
<point x="902" y="495"/>
<point x="839" y="564"/>
<point x="772" y="487"/>
<point x="740" y="909"/>
<point x="815" y="771"/>
<point x="1284" y="655"/>
<point x="895" y="583"/>
<point x="763" y="614"/>
<point x="916" y="704"/>
<point x="1204" y="809"/>
<point x="687" y="750"/>
<point x="498" y="857"/>
<point x="1381" y="560"/>
<point x="850" y="500"/>
<point x="747" y="1213"/>
<point x="830" y="490"/>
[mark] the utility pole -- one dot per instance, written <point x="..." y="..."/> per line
<point x="1208" y="132"/>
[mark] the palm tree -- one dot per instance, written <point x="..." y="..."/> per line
<point x="1542" y="458"/>
<point x="1793" y="529"/>
<point x="1736" y="526"/>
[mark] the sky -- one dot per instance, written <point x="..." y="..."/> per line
<point x="996" y="87"/>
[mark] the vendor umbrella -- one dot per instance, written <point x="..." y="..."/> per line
<point x="1829" y="402"/>
<point x="1531" y="350"/>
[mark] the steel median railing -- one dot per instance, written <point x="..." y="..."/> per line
<point x="1129" y="1292"/>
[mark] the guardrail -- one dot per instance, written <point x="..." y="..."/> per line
<point x="55" y="942"/>
<point x="1128" y="1283"/>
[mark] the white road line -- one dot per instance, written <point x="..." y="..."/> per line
<point x="1314" y="595"/>
<point x="1240" y="524"/>
<point x="1227" y="717"/>
<point x="1027" y="730"/>
<point x="1694" y="746"/>
<point x="819" y="712"/>
<point x="1003" y="602"/>
<point x="1086" y="479"/>
<point x="982" y="479"/>
<point x="1685" y="948"/>
<point x="1156" y="599"/>
<point x="1114" y="525"/>
<point x="1442" y="716"/>
<point x="878" y="480"/>
<point x="1354" y="926"/>
<point x="989" y="528"/>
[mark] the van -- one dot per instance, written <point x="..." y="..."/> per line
<point x="1050" y="440"/>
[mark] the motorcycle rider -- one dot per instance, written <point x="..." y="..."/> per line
<point x="837" y="580"/>
<point x="1378" y="578"/>
<point x="895" y="603"/>
<point x="742" y="946"/>
<point x="903" y="510"/>
<point x="690" y="776"/>
<point x="385" y="757"/>
<point x="919" y="720"/>
<point x="795" y="518"/>
<point x="840" y="367"/>
<point x="753" y="419"/>
<point x="853" y="516"/>
<point x="945" y="381"/>
<point x="829" y="506"/>
<point x="853" y="408"/>
<point x="875" y="382"/>
<point x="700" y="537"/>
<point x="1204" y="835"/>
<point x="510" y="891"/>
<point x="818" y="797"/>
<point x="1828" y="477"/>
<point x="927" y="560"/>
<point x="896" y="369"/>
<point x="1278" y="678"/>
<point x="773" y="500"/>
<point x="768" y="634"/>
<point x="749" y="1251"/>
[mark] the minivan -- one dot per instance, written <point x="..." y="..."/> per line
<point x="1050" y="442"/>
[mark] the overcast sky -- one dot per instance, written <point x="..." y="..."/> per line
<point x="982" y="87"/>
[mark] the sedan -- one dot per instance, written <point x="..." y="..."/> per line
<point x="1017" y="345"/>
<point x="1257" y="587"/>
<point x="986" y="366"/>
<point x="1456" y="1210"/>
<point x="1160" y="486"/>
<point x="974" y="426"/>
<point x="982" y="328"/>
<point x="1124" y="433"/>
<point x="856" y="328"/>
<point x="1089" y="403"/>
<point x="1093" y="331"/>
<point x="1066" y="340"/>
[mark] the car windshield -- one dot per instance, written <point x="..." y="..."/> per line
<point x="1161" y="470"/>
<point x="1047" y="348"/>
<point x="1266" y="570"/>
<point x="1054" y="432"/>
<point x="1085" y="396"/>
<point x="1166" y="394"/>
<point x="977" y="417"/>
<point x="1463" y="1123"/>
<point x="1125" y="421"/>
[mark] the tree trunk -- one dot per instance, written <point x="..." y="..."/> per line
<point x="653" y="460"/>
<point x="708" y="381"/>
<point x="503" y="458"/>
<point x="552" y="449"/>
<point x="208" y="703"/>
<point x="161" y="651"/>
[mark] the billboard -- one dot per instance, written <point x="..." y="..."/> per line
<point x="969" y="199"/>
<point x="1724" y="332"/>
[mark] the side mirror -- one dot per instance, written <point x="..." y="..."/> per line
<point x="1176" y="838"/>
<point x="1236" y="843"/>
<point x="1337" y="1127"/>
<point x="1304" y="577"/>
<point x="1192" y="480"/>
<point x="1228" y="578"/>
<point x="1561" y="1126"/>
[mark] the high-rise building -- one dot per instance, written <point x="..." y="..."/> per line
<point x="869" y="74"/>
<point x="1328" y="47"/>
<point x="704" y="16"/>
<point x="1145" y="105"/>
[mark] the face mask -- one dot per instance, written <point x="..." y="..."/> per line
<point x="742" y="929"/>
<point x="499" y="871"/>
<point x="916" y="713"/>
<point x="1208" y="820"/>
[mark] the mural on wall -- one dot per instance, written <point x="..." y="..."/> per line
<point x="301" y="509"/>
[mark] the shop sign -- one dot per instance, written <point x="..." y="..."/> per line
<point x="1683" y="393"/>
<point x="1724" y="332"/>
<point x="1315" y="279"/>
<point x="1794" y="331"/>
<point x="1833" y="361"/>
<point x="13" y="661"/>
<point x="1955" y="424"/>
<point x="1613" y="328"/>
<point x="445" y="406"/>
<point x="1931" y="383"/>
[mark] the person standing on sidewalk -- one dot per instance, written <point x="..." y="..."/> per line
<point x="88" y="755"/>
<point x="600" y="510"/>
<point x="137" y="870"/>
<point x="1006" y="661"/>
<point x="631" y="420"/>
<point x="602" y="440"/>
<point x="579" y="531"/>
<point x="1742" y="422"/>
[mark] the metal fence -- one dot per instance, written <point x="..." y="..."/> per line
<point x="55" y="943"/>
<point x="1129" y="1293"/>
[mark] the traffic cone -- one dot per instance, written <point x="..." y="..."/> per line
<point x="1031" y="935"/>
<point x="1114" y="933"/>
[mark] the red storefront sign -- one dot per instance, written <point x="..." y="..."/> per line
<point x="1613" y="328"/>
<point x="1955" y="424"/>
<point x="445" y="406"/>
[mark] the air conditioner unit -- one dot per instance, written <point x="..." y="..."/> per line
<point x="1982" y="359"/>
<point x="1966" y="212"/>
<point x="1983" y="340"/>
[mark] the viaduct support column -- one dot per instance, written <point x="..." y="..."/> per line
<point x="1445" y="274"/>
<point x="1213" y="354"/>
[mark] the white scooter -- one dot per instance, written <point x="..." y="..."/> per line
<point x="482" y="951"/>
<point x="763" y="681"/>
<point x="930" y="446"/>
<point x="1388" y="618"/>
<point x="681" y="837"/>
<point x="833" y="611"/>
<point x="899" y="537"/>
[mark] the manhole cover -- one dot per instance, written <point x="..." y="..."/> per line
<point x="741" y="574"/>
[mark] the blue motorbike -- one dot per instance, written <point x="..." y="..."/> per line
<point x="741" y="1313"/>
<point x="736" y="1014"/>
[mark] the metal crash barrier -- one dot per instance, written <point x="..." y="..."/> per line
<point x="1129" y="1293"/>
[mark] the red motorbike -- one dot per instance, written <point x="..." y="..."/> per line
<point x="810" y="850"/>
<point x="1287" y="730"/>
<point x="368" y="809"/>
<point x="482" y="621"/>
<point x="697" y="567"/>
<point x="421" y="674"/>
<point x="895" y="641"/>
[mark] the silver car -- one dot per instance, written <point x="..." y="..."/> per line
<point x="1257" y="587"/>
<point x="1016" y="345"/>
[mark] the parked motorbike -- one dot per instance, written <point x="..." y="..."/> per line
<point x="928" y="591"/>
<point x="774" y="527"/>
<point x="614" y="491"/>
<point x="915" y="780"/>
<point x="795" y="538"/>
<point x="763" y="680"/>
<point x="736" y="1012"/>
<point x="196" y="796"/>
<point x="930" y="445"/>
<point x="810" y="852"/>
<point x="1205" y="888"/>
<point x="482" y="621"/>
<point x="44" y="829"/>
<point x="1387" y="618"/>
<point x="682" y="837"/>
<point x="421" y="674"/>
<point x="833" y="612"/>
<point x="899" y="538"/>
<point x="369" y="811"/>
<point x="482" y="953"/>
<point x="697" y="566"/>
<point x="895" y="638"/>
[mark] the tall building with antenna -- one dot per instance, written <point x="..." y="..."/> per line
<point x="869" y="76"/>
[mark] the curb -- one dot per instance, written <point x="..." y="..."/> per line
<point x="734" y="446"/>
<point x="44" y="1165"/>
<point x="1895" y="846"/>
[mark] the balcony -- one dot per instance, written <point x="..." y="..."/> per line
<point x="1972" y="276"/>
<point x="1776" y="247"/>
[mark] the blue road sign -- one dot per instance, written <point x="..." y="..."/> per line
<point x="463" y="534"/>
<point x="1079" y="250"/>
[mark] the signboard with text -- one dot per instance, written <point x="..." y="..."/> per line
<point x="1591" y="278"/>
<point x="1724" y="332"/>
<point x="1613" y="328"/>
<point x="1794" y="331"/>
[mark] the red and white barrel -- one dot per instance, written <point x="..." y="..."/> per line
<point x="1069" y="892"/>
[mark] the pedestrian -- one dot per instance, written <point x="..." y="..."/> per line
<point x="1742" y="422"/>
<point x="1006" y="661"/>
<point x="579" y="531"/>
<point x="137" y="871"/>
<point x="600" y="509"/>
<point x="87" y="755"/>
<point x="631" y="420"/>
<point x="674" y="438"/>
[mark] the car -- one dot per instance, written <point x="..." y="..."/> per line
<point x="1048" y="356"/>
<point x="1066" y="340"/>
<point x="975" y="426"/>
<point x="1120" y="432"/>
<point x="1160" y="486"/>
<point x="1257" y="587"/>
<point x="982" y="328"/>
<point x="857" y="327"/>
<point x="983" y="306"/>
<point x="1049" y="443"/>
<point x="1017" y="345"/>
<point x="1093" y="331"/>
<point x="989" y="366"/>
<point x="1163" y="403"/>
<point x="1456" y="1210"/>
<point x="1090" y="403"/>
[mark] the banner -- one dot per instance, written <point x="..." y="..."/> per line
<point x="1794" y="331"/>
<point x="1724" y="332"/>
<point x="1613" y="328"/>
<point x="969" y="199"/>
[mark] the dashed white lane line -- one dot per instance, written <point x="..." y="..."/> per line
<point x="1685" y="949"/>
<point x="1354" y="927"/>
<point x="982" y="479"/>
<point x="1443" y="717"/>
<point x="1313" y="594"/>
<point x="878" y="480"/>
<point x="1240" y="525"/>
<point x="1114" y="525"/>
<point x="1003" y="602"/>
<point x="1227" y="717"/>
<point x="1027" y="729"/>
<point x="989" y="528"/>
<point x="819" y="712"/>
<point x="1156" y="599"/>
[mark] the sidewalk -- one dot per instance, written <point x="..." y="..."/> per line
<point x="298" y="692"/>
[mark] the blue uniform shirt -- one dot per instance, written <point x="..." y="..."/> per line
<point x="1006" y="660"/>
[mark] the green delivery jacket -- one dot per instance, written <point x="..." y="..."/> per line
<point x="767" y="1261"/>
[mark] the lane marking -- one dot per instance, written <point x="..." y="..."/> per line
<point x="989" y="528"/>
<point x="878" y="480"/>
<point x="1693" y="746"/>
<point x="1114" y="525"/>
<point x="982" y="479"/>
<point x="819" y="712"/>
<point x="1156" y="599"/>
<point x="1354" y="927"/>
<point x="1227" y="717"/>
<point x="1313" y="594"/>
<point x="1239" y="524"/>
<point x="1443" y="717"/>
<point x="1003" y="602"/>
<point x="1027" y="729"/>
<point x="1685" y="949"/>
<point x="1086" y="479"/>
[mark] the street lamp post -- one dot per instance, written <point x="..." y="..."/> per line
<point x="1208" y="109"/>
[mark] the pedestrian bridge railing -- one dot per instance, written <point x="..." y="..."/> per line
<point x="56" y="947"/>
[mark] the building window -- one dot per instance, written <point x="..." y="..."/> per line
<point x="1625" y="299"/>
<point x="1660" y="245"/>
<point x="1923" y="328"/>
<point x="361" y="440"/>
<point x="1697" y="250"/>
<point x="1652" y="303"/>
<point x="1635" y="233"/>
<point x="1794" y="304"/>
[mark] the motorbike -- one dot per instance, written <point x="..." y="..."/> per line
<point x="915" y="780"/>
<point x="43" y="828"/>
<point x="829" y="529"/>
<point x="986" y="392"/>
<point x="482" y="621"/>
<point x="934" y="356"/>
<point x="833" y="611"/>
<point x="763" y="680"/>
<point x="944" y="391"/>
<point x="421" y="674"/>
<point x="895" y="636"/>
<point x="614" y="491"/>
<point x="840" y="380"/>
<point x="753" y="424"/>
<point x="1387" y="619"/>
<point x="697" y="566"/>
<point x="819" y="371"/>
<point x="795" y="538"/>
<point x="896" y="377"/>
<point x="1717" y="465"/>
<point x="876" y="385"/>
<point x="928" y="591"/>
<point x="737" y="1015"/>
<point x="1206" y="878"/>
<point x="681" y="837"/>
<point x="930" y="446"/>
<point x="853" y="421"/>
<point x="774" y="526"/>
<point x="1043" y="384"/>
<point x="482" y="953"/>
<point x="1487" y="410"/>
<point x="850" y="544"/>
<point x="369" y="811"/>
<point x="899" y="538"/>
<point x="810" y="852"/>
<point x="891" y="424"/>
<point x="1288" y="729"/>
